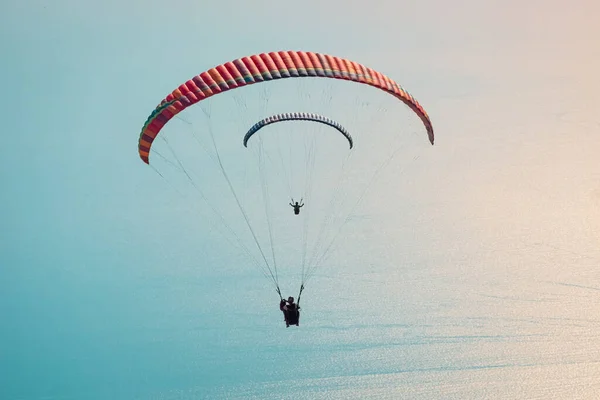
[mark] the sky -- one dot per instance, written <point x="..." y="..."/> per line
<point x="474" y="275"/>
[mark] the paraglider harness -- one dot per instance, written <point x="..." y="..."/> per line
<point x="292" y="317"/>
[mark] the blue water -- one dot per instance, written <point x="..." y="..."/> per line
<point x="411" y="331"/>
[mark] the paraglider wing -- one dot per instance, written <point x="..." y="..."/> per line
<point x="266" y="67"/>
<point x="297" y="117"/>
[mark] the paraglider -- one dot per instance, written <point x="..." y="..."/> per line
<point x="291" y="312"/>
<point x="269" y="67"/>
<point x="297" y="206"/>
<point x="297" y="116"/>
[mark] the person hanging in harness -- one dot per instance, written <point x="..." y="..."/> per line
<point x="297" y="206"/>
<point x="291" y="312"/>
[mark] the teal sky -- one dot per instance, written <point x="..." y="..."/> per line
<point x="109" y="289"/>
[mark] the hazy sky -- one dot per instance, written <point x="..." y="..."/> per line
<point x="511" y="88"/>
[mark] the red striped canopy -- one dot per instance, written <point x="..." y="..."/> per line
<point x="266" y="67"/>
